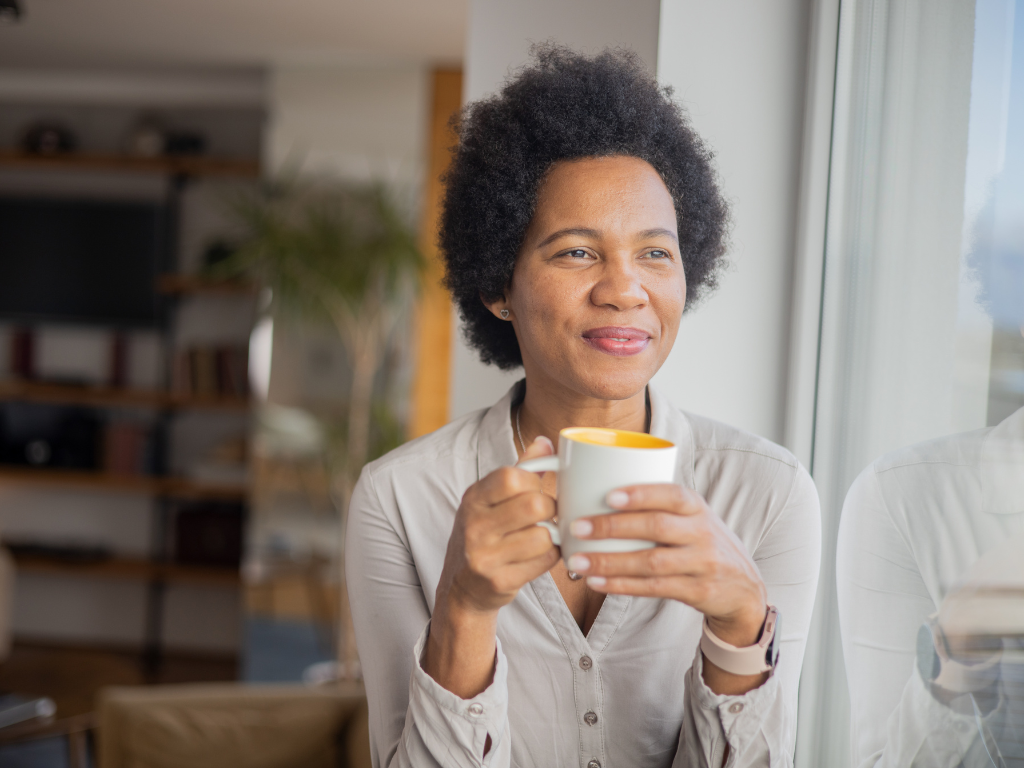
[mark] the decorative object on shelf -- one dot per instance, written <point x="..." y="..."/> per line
<point x="48" y="138"/>
<point x="345" y="254"/>
<point x="218" y="252"/>
<point x="10" y="11"/>
<point x="184" y="142"/>
<point x="43" y="435"/>
<point x="146" y="138"/>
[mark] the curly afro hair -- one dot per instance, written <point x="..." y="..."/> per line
<point x="566" y="106"/>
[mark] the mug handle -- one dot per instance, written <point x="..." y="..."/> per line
<point x="544" y="464"/>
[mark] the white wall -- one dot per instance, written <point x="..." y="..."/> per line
<point x="739" y="69"/>
<point x="499" y="39"/>
<point x="351" y="122"/>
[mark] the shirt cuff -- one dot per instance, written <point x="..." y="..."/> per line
<point x="752" y="723"/>
<point x="451" y="725"/>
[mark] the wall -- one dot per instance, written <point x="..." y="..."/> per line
<point x="739" y="69"/>
<point x="352" y="123"/>
<point x="498" y="40"/>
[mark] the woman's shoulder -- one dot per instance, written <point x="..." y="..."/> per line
<point x="455" y="441"/>
<point x="714" y="439"/>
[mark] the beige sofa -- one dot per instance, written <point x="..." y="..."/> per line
<point x="233" y="725"/>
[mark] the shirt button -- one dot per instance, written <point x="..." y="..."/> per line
<point x="735" y="708"/>
<point x="590" y="718"/>
<point x="476" y="709"/>
<point x="593" y="764"/>
<point x="586" y="663"/>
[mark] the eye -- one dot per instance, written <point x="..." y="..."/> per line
<point x="577" y="253"/>
<point x="657" y="253"/>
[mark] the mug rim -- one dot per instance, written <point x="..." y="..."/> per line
<point x="654" y="443"/>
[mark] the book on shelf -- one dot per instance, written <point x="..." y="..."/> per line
<point x="126" y="448"/>
<point x="211" y="371"/>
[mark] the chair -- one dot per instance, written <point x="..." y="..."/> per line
<point x="243" y="726"/>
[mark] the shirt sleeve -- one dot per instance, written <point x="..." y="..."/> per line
<point x="414" y="722"/>
<point x="760" y="726"/>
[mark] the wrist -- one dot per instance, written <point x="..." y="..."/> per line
<point x="741" y="628"/>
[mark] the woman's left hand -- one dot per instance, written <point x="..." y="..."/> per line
<point x="697" y="560"/>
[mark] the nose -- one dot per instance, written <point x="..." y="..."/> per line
<point x="619" y="285"/>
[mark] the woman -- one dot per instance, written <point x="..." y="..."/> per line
<point x="581" y="217"/>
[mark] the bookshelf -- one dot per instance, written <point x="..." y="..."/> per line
<point x="215" y="383"/>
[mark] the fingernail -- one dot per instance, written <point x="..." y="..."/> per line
<point x="596" y="581"/>
<point x="541" y="438"/>
<point x="617" y="499"/>
<point x="579" y="563"/>
<point x="581" y="528"/>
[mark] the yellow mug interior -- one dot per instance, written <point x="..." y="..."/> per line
<point x="614" y="438"/>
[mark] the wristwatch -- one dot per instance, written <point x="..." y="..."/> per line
<point x="939" y="668"/>
<point x="752" y="660"/>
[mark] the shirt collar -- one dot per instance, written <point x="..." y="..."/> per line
<point x="497" y="448"/>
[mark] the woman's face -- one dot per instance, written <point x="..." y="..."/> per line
<point x="598" y="288"/>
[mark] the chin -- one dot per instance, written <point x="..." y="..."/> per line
<point x="617" y="383"/>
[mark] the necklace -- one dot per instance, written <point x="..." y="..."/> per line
<point x="519" y="433"/>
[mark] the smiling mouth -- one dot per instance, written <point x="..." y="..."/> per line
<point x="617" y="341"/>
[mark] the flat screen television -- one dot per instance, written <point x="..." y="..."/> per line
<point x="80" y="261"/>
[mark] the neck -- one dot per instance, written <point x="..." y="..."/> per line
<point x="547" y="411"/>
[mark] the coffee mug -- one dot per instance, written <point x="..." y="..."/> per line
<point x="591" y="462"/>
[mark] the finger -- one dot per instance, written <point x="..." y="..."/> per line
<point x="672" y="587"/>
<point x="502" y="484"/>
<point x="520" y="574"/>
<point x="657" y="561"/>
<point x="670" y="497"/>
<point x="526" y="509"/>
<point x="526" y="544"/>
<point x="655" y="525"/>
<point x="540" y="446"/>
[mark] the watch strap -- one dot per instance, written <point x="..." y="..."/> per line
<point x="751" y="660"/>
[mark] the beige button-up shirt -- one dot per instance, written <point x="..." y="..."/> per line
<point x="630" y="692"/>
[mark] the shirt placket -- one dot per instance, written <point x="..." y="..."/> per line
<point x="584" y="655"/>
<point x="589" y="704"/>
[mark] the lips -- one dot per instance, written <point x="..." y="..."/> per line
<point x="617" y="341"/>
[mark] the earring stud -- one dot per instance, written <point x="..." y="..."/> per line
<point x="504" y="314"/>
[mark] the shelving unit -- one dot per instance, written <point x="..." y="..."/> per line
<point x="166" y="490"/>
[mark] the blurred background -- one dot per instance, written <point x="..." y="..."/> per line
<point x="196" y="360"/>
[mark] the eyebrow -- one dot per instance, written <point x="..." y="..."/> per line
<point x="587" y="232"/>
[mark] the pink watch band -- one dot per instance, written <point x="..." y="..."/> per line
<point x="752" y="660"/>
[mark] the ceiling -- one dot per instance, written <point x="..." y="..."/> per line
<point x="232" y="33"/>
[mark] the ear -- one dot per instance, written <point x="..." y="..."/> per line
<point x="500" y="307"/>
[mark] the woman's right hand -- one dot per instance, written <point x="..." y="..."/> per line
<point x="496" y="548"/>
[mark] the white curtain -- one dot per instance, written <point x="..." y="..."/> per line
<point x="891" y="283"/>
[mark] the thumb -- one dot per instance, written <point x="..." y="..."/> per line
<point x="541" y="446"/>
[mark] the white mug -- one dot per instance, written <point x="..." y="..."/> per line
<point x="591" y="462"/>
